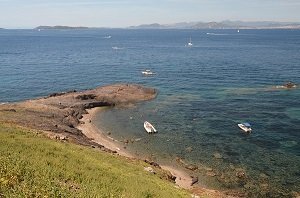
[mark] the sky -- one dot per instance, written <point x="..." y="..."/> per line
<point x="124" y="13"/>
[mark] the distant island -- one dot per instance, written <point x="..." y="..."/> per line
<point x="194" y="25"/>
<point x="222" y="25"/>
<point x="60" y="27"/>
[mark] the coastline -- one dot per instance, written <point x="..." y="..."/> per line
<point x="98" y="136"/>
<point x="183" y="178"/>
<point x="67" y="116"/>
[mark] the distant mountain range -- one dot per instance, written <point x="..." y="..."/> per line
<point x="221" y="25"/>
<point x="196" y="25"/>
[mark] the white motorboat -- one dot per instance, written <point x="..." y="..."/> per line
<point x="149" y="127"/>
<point x="148" y="72"/>
<point x="245" y="127"/>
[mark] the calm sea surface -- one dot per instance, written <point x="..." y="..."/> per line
<point x="204" y="92"/>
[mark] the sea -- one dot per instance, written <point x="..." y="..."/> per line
<point x="227" y="77"/>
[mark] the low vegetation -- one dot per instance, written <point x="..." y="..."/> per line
<point x="32" y="165"/>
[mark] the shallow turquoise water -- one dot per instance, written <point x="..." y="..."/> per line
<point x="204" y="92"/>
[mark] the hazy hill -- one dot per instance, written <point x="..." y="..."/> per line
<point x="222" y="25"/>
<point x="59" y="27"/>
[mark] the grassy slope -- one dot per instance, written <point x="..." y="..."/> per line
<point x="34" y="166"/>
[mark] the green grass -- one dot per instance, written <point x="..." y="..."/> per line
<point x="34" y="166"/>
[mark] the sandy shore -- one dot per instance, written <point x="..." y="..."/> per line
<point x="87" y="127"/>
<point x="183" y="178"/>
<point x="91" y="131"/>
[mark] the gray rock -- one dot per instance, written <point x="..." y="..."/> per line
<point x="150" y="170"/>
<point x="191" y="167"/>
<point x="194" y="180"/>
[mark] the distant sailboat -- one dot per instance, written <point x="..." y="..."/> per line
<point x="190" y="44"/>
<point x="238" y="31"/>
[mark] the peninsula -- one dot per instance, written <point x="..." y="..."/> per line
<point x="60" y="113"/>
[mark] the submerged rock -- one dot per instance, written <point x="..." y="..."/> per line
<point x="189" y="149"/>
<point x="290" y="85"/>
<point x="211" y="174"/>
<point x="240" y="174"/>
<point x="191" y="167"/>
<point x="217" y="156"/>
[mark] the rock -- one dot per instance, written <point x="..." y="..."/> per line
<point x="208" y="169"/>
<point x="240" y="174"/>
<point x="211" y="174"/>
<point x="56" y="94"/>
<point x="72" y="91"/>
<point x="191" y="167"/>
<point x="264" y="186"/>
<point x="38" y="113"/>
<point x="86" y="97"/>
<point x="194" y="180"/>
<point x="249" y="186"/>
<point x="63" y="138"/>
<point x="217" y="155"/>
<point x="10" y="110"/>
<point x="70" y="121"/>
<point x="170" y="177"/>
<point x="189" y="149"/>
<point x="150" y="170"/>
<point x="264" y="176"/>
<point x="152" y="163"/>
<point x="295" y="194"/>
<point x="179" y="160"/>
<point x="290" y="85"/>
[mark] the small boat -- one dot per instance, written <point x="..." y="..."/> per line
<point x="245" y="127"/>
<point x="107" y="37"/>
<point x="148" y="72"/>
<point x="190" y="44"/>
<point x="149" y="127"/>
<point x="238" y="31"/>
<point x="116" y="48"/>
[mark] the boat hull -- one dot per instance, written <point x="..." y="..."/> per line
<point x="149" y="127"/>
<point x="244" y="128"/>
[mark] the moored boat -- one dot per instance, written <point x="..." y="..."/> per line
<point x="245" y="127"/>
<point x="149" y="127"/>
<point x="190" y="44"/>
<point x="148" y="72"/>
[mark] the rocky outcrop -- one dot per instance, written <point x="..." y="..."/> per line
<point x="60" y="112"/>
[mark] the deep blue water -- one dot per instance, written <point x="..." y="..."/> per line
<point x="204" y="92"/>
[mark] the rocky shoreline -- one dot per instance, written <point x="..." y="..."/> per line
<point x="65" y="116"/>
<point x="59" y="113"/>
